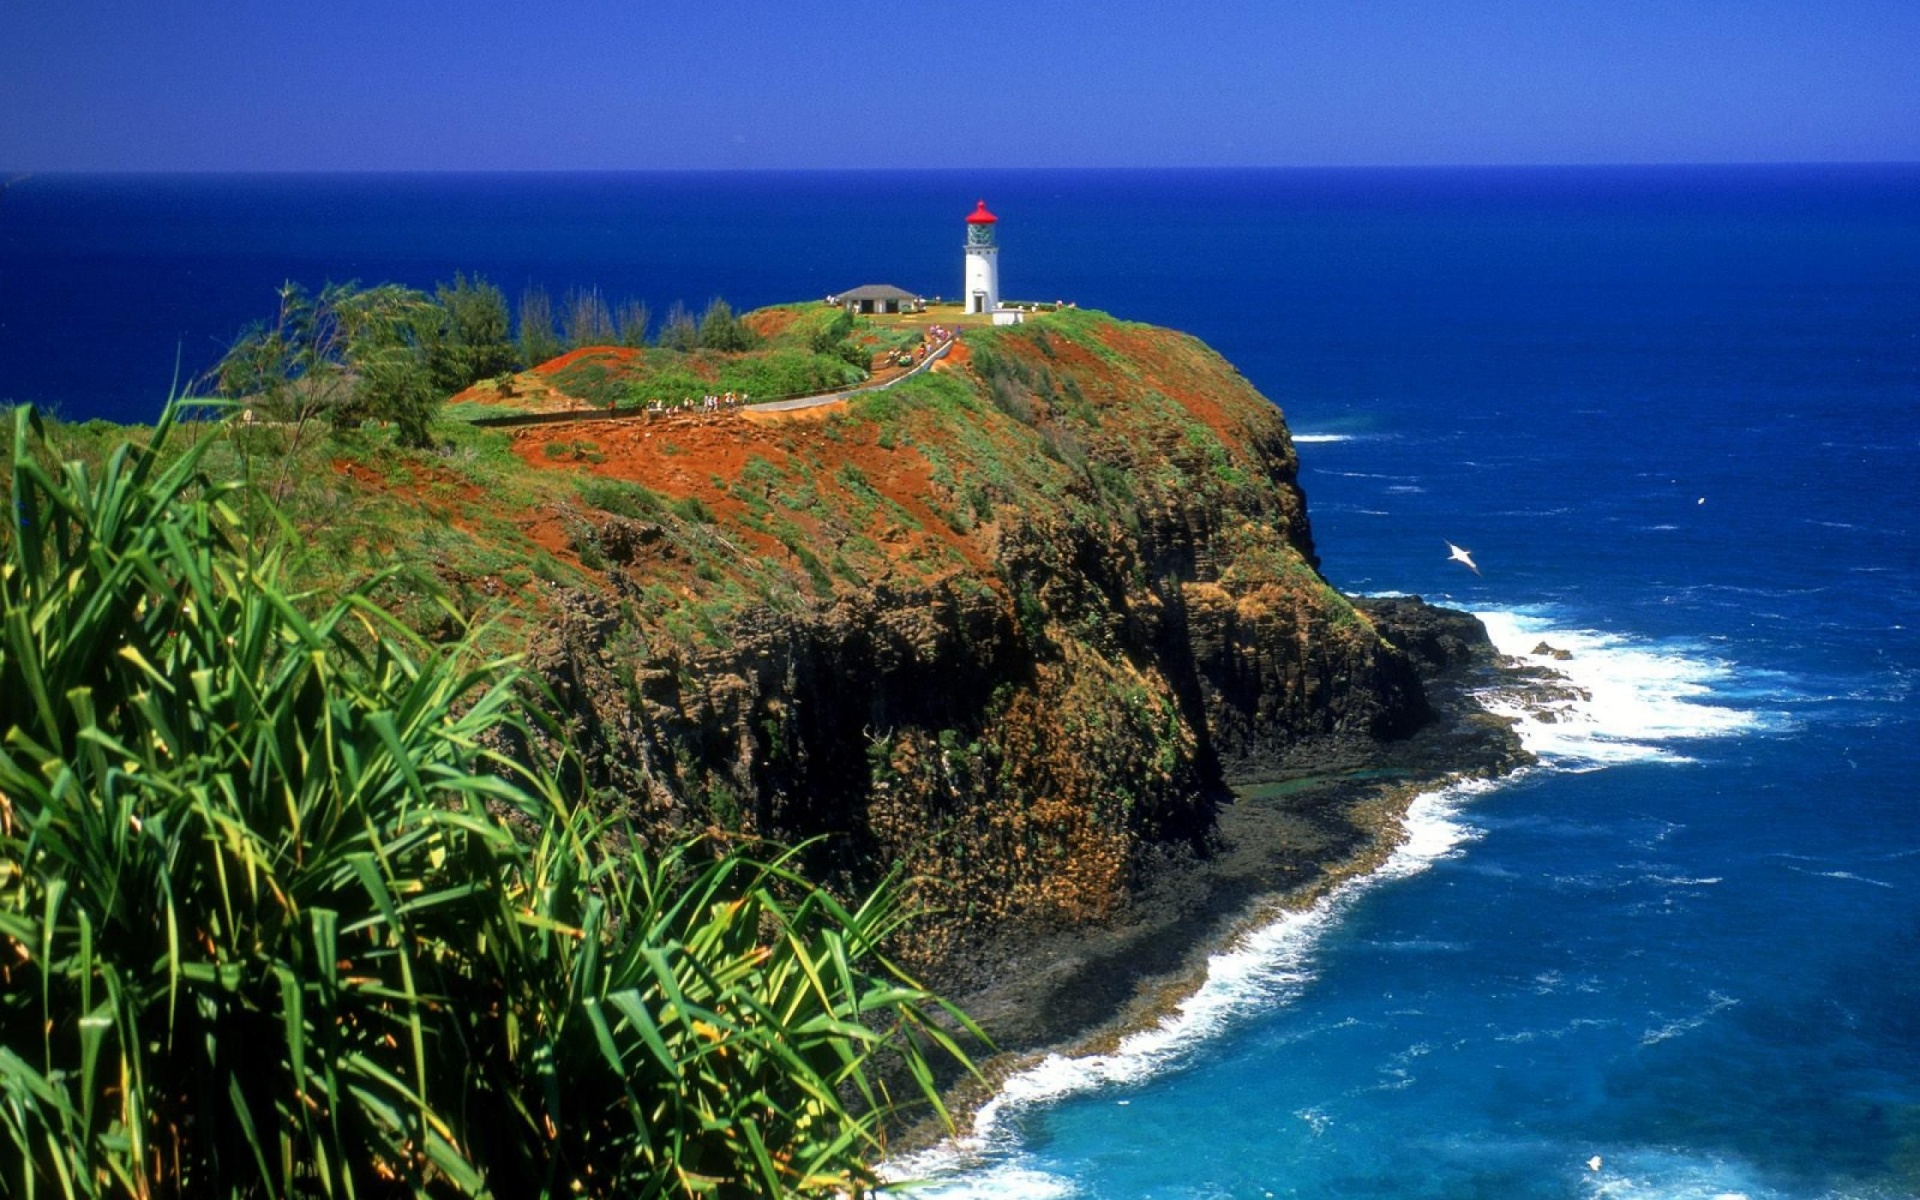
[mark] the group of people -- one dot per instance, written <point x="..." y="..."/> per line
<point x="711" y="402"/>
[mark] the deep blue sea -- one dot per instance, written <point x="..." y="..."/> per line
<point x="1674" y="414"/>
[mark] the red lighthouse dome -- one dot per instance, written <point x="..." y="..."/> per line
<point x="981" y="216"/>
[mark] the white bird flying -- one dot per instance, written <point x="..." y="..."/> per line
<point x="1463" y="557"/>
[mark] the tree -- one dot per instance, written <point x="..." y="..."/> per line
<point x="538" y="342"/>
<point x="346" y="355"/>
<point x="294" y="368"/>
<point x="474" y="340"/>
<point x="586" y="319"/>
<point x="827" y="338"/>
<point x="721" y="330"/>
<point x="389" y="331"/>
<point x="630" y="322"/>
<point x="679" y="332"/>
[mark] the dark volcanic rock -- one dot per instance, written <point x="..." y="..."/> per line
<point x="1442" y="640"/>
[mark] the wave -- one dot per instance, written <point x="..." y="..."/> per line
<point x="1621" y="700"/>
<point x="1315" y="439"/>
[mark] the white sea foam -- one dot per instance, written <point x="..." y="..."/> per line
<point x="1680" y="1026"/>
<point x="1315" y="439"/>
<point x="1003" y="1181"/>
<point x="1667" y="1174"/>
<point x="1624" y="701"/>
<point x="1849" y="876"/>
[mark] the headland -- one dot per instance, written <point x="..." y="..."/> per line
<point x="1037" y="625"/>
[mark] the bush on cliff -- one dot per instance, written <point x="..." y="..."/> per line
<point x="274" y="920"/>
<point x="346" y="355"/>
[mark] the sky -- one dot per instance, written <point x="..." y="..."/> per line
<point x="224" y="85"/>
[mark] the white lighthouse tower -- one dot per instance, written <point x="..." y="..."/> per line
<point x="981" y="292"/>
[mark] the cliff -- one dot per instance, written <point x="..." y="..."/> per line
<point x="1011" y="628"/>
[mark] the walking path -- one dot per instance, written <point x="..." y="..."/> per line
<point x="769" y="406"/>
<point x="799" y="402"/>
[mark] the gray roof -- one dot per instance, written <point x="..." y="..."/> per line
<point x="876" y="291"/>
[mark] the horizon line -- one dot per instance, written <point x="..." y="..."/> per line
<point x="10" y="176"/>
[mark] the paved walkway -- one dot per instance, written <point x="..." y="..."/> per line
<point x="799" y="402"/>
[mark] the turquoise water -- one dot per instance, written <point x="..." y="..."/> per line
<point x="1672" y="413"/>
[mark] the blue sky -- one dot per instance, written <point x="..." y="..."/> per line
<point x="665" y="84"/>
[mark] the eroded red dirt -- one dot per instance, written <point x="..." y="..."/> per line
<point x="704" y="456"/>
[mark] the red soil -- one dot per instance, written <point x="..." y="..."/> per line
<point x="616" y="354"/>
<point x="771" y="322"/>
<point x="1158" y="356"/>
<point x="689" y="455"/>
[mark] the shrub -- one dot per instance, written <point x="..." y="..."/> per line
<point x="719" y="329"/>
<point x="621" y="498"/>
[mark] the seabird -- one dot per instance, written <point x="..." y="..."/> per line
<point x="1463" y="557"/>
<point x="1593" y="1164"/>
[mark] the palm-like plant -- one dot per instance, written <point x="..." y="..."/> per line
<point x="267" y="926"/>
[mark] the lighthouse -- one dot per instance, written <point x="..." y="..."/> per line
<point x="981" y="291"/>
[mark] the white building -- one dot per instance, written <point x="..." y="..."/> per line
<point x="870" y="298"/>
<point x="981" y="291"/>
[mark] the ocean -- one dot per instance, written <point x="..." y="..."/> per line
<point x="1673" y="412"/>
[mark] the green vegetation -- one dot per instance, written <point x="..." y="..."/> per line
<point x="786" y="372"/>
<point x="472" y="342"/>
<point x="679" y="331"/>
<point x="720" y="330"/>
<point x="537" y="339"/>
<point x="833" y="336"/>
<point x="346" y="355"/>
<point x="275" y="920"/>
<point x="586" y="320"/>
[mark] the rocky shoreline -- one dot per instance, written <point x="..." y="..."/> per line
<point x="1280" y="842"/>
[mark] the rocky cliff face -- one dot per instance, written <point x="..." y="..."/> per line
<point x="1009" y="630"/>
